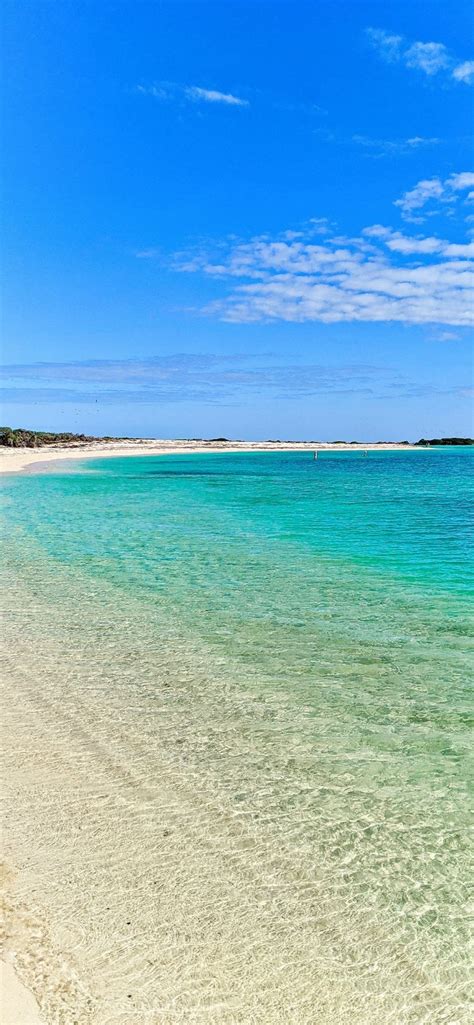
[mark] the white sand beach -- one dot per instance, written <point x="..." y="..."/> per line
<point x="13" y="460"/>
<point x="17" y="1005"/>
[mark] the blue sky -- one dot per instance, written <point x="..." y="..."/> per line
<point x="240" y="219"/>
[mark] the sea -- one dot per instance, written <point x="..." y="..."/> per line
<point x="237" y="703"/>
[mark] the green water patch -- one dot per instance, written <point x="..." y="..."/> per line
<point x="251" y="676"/>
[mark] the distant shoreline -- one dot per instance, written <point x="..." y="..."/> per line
<point x="16" y="460"/>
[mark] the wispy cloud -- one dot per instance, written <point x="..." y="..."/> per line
<point x="207" y="378"/>
<point x="381" y="276"/>
<point x="388" y="45"/>
<point x="430" y="190"/>
<point x="410" y="246"/>
<point x="393" y="147"/>
<point x="429" y="57"/>
<point x="191" y="93"/>
<point x="446" y="336"/>
<point x="194" y="92"/>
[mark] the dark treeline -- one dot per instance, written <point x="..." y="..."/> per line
<point x="444" y="441"/>
<point x="19" y="437"/>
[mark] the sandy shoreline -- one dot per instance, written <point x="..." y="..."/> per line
<point x="17" y="1004"/>
<point x="15" y="460"/>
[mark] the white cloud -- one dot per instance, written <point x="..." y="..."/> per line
<point x="464" y="72"/>
<point x="343" y="279"/>
<point x="410" y="246"/>
<point x="414" y="199"/>
<point x="320" y="225"/>
<point x="399" y="243"/>
<point x="420" y="140"/>
<point x="392" y="147"/>
<point x="159" y="92"/>
<point x="428" y="57"/>
<point x="377" y="231"/>
<point x="461" y="249"/>
<point x="461" y="181"/>
<point x="432" y="189"/>
<point x="388" y="45"/>
<point x="195" y="92"/>
<point x="446" y="336"/>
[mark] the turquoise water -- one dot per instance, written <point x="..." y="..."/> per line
<point x="266" y="660"/>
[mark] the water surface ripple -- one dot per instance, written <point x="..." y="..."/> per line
<point x="235" y="740"/>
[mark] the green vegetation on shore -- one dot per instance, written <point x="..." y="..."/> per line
<point x="444" y="441"/>
<point x="20" y="437"/>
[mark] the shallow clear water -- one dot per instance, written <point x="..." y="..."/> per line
<point x="237" y="713"/>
